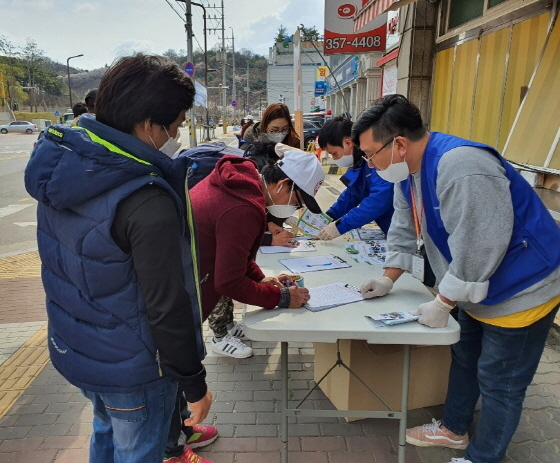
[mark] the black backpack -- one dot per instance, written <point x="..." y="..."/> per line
<point x="202" y="159"/>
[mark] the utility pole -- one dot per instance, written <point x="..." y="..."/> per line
<point x="224" y="107"/>
<point x="247" y="90"/>
<point x="207" y="128"/>
<point x="191" y="121"/>
<point x="233" y="91"/>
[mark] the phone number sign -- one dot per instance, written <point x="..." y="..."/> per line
<point x="339" y="29"/>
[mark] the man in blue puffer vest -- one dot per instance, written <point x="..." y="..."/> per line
<point x="493" y="247"/>
<point x="119" y="263"/>
<point x="367" y="197"/>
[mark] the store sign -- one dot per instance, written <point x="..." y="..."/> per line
<point x="320" y="77"/>
<point x="390" y="78"/>
<point x="344" y="74"/>
<point x="339" y="29"/>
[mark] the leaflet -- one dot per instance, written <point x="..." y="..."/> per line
<point x="310" y="224"/>
<point x="391" y="318"/>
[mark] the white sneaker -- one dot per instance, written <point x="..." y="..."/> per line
<point x="459" y="460"/>
<point x="232" y="347"/>
<point x="238" y="330"/>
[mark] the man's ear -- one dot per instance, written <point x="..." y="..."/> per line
<point x="347" y="141"/>
<point x="401" y="146"/>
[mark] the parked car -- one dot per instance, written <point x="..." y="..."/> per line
<point x="310" y="130"/>
<point x="19" y="126"/>
<point x="41" y="135"/>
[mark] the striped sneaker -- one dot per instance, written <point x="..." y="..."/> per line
<point x="435" y="435"/>
<point x="237" y="330"/>
<point x="231" y="347"/>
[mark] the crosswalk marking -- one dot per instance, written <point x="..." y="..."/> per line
<point x="12" y="209"/>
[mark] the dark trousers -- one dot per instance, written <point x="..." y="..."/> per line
<point x="180" y="414"/>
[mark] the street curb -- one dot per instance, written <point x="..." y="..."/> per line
<point x="19" y="371"/>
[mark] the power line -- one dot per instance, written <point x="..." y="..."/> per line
<point x="174" y="10"/>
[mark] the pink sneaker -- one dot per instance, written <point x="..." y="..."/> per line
<point x="202" y="436"/>
<point x="435" y="435"/>
<point x="188" y="457"/>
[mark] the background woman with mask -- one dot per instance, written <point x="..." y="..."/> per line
<point x="367" y="198"/>
<point x="276" y="127"/>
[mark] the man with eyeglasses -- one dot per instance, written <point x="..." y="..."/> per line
<point x="493" y="247"/>
<point x="367" y="197"/>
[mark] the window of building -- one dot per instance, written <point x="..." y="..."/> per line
<point x="462" y="11"/>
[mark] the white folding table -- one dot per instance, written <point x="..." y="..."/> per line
<point x="345" y="322"/>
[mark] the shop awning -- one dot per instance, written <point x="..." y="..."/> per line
<point x="374" y="8"/>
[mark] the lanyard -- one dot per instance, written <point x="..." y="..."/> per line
<point x="419" y="240"/>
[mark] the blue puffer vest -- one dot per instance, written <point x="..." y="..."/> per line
<point x="99" y="335"/>
<point x="533" y="252"/>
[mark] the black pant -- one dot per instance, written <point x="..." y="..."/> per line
<point x="180" y="414"/>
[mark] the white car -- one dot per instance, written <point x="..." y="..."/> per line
<point x="19" y="126"/>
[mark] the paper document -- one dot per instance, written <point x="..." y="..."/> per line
<point x="391" y="318"/>
<point x="332" y="295"/>
<point x="304" y="246"/>
<point x="310" y="224"/>
<point x="312" y="264"/>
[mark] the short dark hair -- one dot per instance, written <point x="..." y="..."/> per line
<point x="90" y="100"/>
<point x="390" y="116"/>
<point x="333" y="131"/>
<point x="262" y="153"/>
<point x="143" y="87"/>
<point x="79" y="108"/>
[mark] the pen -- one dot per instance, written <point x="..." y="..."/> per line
<point x="352" y="287"/>
<point x="319" y="265"/>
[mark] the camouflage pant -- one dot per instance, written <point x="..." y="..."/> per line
<point x="221" y="316"/>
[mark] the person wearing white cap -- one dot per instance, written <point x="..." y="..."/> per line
<point x="230" y="207"/>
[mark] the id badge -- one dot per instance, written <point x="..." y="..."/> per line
<point x="418" y="267"/>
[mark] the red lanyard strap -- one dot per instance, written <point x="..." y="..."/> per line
<point x="419" y="240"/>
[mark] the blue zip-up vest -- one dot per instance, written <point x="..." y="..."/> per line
<point x="99" y="335"/>
<point x="533" y="252"/>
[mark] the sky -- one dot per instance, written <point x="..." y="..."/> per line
<point x="103" y="30"/>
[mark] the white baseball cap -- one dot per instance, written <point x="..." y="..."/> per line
<point x="306" y="172"/>
<point x="249" y="117"/>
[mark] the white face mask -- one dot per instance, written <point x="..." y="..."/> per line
<point x="275" y="137"/>
<point x="282" y="211"/>
<point x="172" y="145"/>
<point x="345" y="161"/>
<point x="395" y="172"/>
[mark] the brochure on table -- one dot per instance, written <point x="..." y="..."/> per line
<point x="391" y="318"/>
<point x="310" y="224"/>
<point x="371" y="252"/>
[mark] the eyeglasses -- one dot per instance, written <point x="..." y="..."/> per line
<point x="369" y="158"/>
<point x="284" y="130"/>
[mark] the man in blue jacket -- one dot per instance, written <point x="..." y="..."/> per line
<point x="367" y="197"/>
<point x="119" y="265"/>
<point x="493" y="248"/>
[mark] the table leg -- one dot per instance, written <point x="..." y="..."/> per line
<point x="284" y="422"/>
<point x="404" y="403"/>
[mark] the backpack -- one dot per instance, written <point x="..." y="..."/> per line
<point x="202" y="159"/>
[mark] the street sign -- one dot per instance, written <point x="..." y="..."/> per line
<point x="234" y="103"/>
<point x="56" y="113"/>
<point x="189" y="69"/>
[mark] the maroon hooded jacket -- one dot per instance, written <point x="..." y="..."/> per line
<point x="230" y="216"/>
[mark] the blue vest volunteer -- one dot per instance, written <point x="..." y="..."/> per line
<point x="533" y="252"/>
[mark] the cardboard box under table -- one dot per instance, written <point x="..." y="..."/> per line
<point x="345" y="325"/>
<point x="380" y="367"/>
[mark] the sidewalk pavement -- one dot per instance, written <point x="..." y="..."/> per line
<point x="45" y="419"/>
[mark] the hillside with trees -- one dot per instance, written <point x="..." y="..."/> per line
<point x="29" y="80"/>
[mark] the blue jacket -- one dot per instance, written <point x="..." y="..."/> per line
<point x="367" y="198"/>
<point x="534" y="250"/>
<point x="99" y="335"/>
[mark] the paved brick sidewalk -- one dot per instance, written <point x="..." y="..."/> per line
<point x="49" y="421"/>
